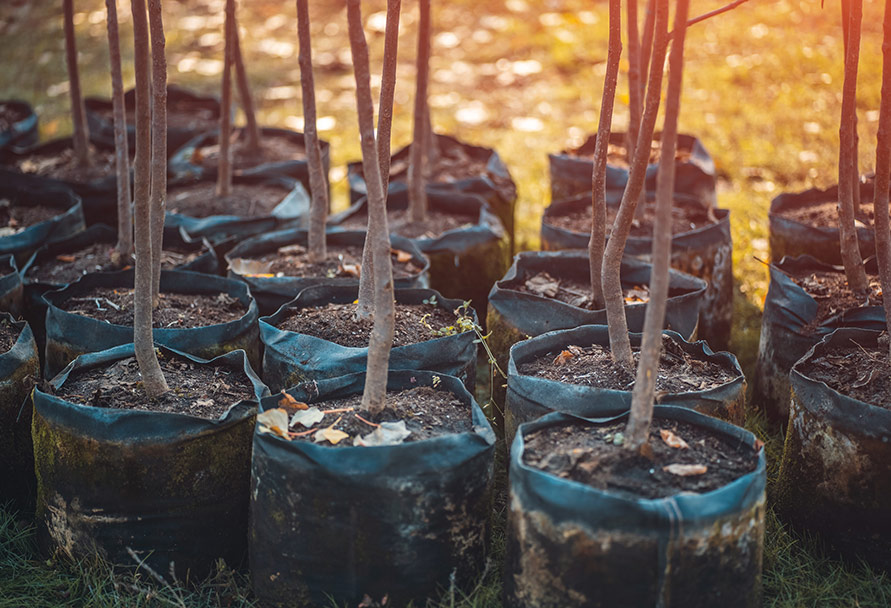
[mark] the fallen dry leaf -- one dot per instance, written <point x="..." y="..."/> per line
<point x="388" y="433"/>
<point x="329" y="434"/>
<point x="308" y="417"/>
<point x="402" y="257"/>
<point x="292" y="250"/>
<point x="65" y="258"/>
<point x="563" y="358"/>
<point x="352" y="270"/>
<point x="672" y="440"/>
<point x="543" y="284"/>
<point x="244" y="266"/>
<point x="274" y="421"/>
<point x="289" y="403"/>
<point x="685" y="470"/>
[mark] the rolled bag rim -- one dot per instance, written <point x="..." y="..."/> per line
<point x="486" y="228"/>
<point x="181" y="166"/>
<point x="403" y="457"/>
<point x="22" y="129"/>
<point x="271" y="336"/>
<point x="136" y="427"/>
<point x="594" y="508"/>
<point x="618" y="400"/>
<point x="11" y="283"/>
<point x="826" y="403"/>
<point x="66" y="223"/>
<point x="500" y="294"/>
<point x="472" y="185"/>
<point x="213" y="334"/>
<point x="270" y="241"/>
<point x="636" y="245"/>
<point x="295" y="202"/>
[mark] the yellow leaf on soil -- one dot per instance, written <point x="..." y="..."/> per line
<point x="685" y="470"/>
<point x="672" y="440"/>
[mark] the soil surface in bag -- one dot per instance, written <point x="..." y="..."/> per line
<point x="684" y="458"/>
<point x="825" y="215"/>
<point x="63" y="166"/>
<point x="273" y="148"/>
<point x="186" y="113"/>
<point x="830" y="291"/>
<point x="857" y="371"/>
<point x="9" y="333"/>
<point x="415" y="323"/>
<point x="196" y="390"/>
<point x="177" y="310"/>
<point x="10" y="114"/>
<point x="97" y="257"/>
<point x="244" y="200"/>
<point x="15" y="218"/>
<point x="617" y="154"/>
<point x="425" y="412"/>
<point x="341" y="262"/>
<point x="573" y="291"/>
<point x="400" y="222"/>
<point x="684" y="218"/>
<point x="594" y="366"/>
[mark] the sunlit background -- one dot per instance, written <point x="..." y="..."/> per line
<point x="762" y="89"/>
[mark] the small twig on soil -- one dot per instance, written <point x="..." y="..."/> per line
<point x="338" y="410"/>
<point x="302" y="433"/>
<point x="366" y="421"/>
<point x="868" y="354"/>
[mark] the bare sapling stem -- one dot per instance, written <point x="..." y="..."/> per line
<point x="384" y="130"/>
<point x="318" y="213"/>
<point x="643" y="393"/>
<point x="417" y="194"/>
<point x="244" y="92"/>
<point x="149" y="368"/>
<point x="159" y="142"/>
<point x="598" y="179"/>
<point x="124" y="246"/>
<point x="620" y="343"/>
<point x="635" y="92"/>
<point x="381" y="339"/>
<point x="80" y="136"/>
<point x="883" y="175"/>
<point x="224" y="165"/>
<point x="850" y="249"/>
<point x="646" y="45"/>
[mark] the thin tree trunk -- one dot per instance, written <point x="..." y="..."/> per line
<point x="384" y="129"/>
<point x="224" y="165"/>
<point x="381" y="339"/>
<point x="850" y="249"/>
<point x="80" y="137"/>
<point x="646" y="45"/>
<point x="635" y="91"/>
<point x="318" y="213"/>
<point x="620" y="344"/>
<point x="159" y="142"/>
<point x="883" y="175"/>
<point x="417" y="194"/>
<point x="244" y="92"/>
<point x="644" y="390"/>
<point x="149" y="368"/>
<point x="855" y="158"/>
<point x="124" y="245"/>
<point x="598" y="179"/>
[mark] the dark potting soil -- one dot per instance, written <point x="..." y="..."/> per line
<point x="860" y="372"/>
<point x="98" y="257"/>
<point x="617" y="154"/>
<point x="273" y="148"/>
<point x="244" y="200"/>
<point x="10" y="114"/>
<point x="427" y="413"/>
<point x="570" y="291"/>
<point x="334" y="322"/>
<point x="197" y="390"/>
<point x="181" y="114"/>
<point x="594" y="366"/>
<point x="830" y="290"/>
<point x="596" y="456"/>
<point x="342" y="262"/>
<point x="8" y="335"/>
<point x="825" y="214"/>
<point x="177" y="310"/>
<point x="684" y="218"/>
<point x="63" y="166"/>
<point x="15" y="218"/>
<point x="436" y="223"/>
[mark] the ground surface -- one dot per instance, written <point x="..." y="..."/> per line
<point x="762" y="91"/>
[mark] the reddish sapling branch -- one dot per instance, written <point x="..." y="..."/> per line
<point x="252" y="129"/>
<point x="80" y="137"/>
<point x="224" y="164"/>
<point x="883" y="176"/>
<point x="124" y="246"/>
<point x="417" y="194"/>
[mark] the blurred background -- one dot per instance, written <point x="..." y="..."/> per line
<point x="762" y="89"/>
